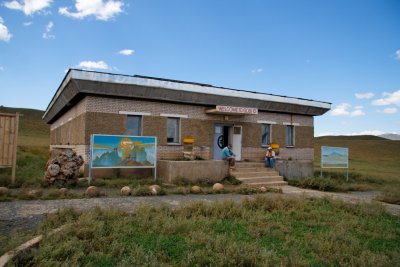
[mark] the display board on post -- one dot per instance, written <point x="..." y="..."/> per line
<point x="335" y="157"/>
<point x="122" y="151"/>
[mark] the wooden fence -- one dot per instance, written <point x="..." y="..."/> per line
<point x="8" y="141"/>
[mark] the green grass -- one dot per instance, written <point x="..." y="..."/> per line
<point x="265" y="231"/>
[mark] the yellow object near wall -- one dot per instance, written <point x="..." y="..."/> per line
<point x="188" y="140"/>
<point x="275" y="146"/>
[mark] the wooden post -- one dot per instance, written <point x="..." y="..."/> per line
<point x="14" y="166"/>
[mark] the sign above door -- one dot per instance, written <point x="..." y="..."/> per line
<point x="233" y="110"/>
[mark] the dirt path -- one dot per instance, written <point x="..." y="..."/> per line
<point x="27" y="214"/>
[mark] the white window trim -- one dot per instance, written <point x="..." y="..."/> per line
<point x="174" y="115"/>
<point x="179" y="134"/>
<point x="134" y="113"/>
<point x="292" y="123"/>
<point x="266" y="122"/>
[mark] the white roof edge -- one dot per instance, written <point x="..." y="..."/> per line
<point x="59" y="90"/>
<point x="123" y="79"/>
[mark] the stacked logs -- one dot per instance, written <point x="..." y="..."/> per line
<point x="63" y="167"/>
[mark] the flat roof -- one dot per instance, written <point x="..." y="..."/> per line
<point x="137" y="81"/>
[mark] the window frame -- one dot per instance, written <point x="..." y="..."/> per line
<point x="179" y="130"/>
<point x="140" y="121"/>
<point x="263" y="126"/>
<point x="293" y="135"/>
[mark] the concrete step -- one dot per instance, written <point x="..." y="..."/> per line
<point x="261" y="179"/>
<point x="253" y="169"/>
<point x="280" y="183"/>
<point x="254" y="174"/>
<point x="249" y="164"/>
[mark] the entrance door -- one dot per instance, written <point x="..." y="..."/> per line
<point x="227" y="134"/>
<point x="237" y="142"/>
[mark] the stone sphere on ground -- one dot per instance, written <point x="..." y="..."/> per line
<point x="263" y="189"/>
<point x="154" y="189"/>
<point x="63" y="192"/>
<point x="217" y="187"/>
<point x="3" y="191"/>
<point x="126" y="191"/>
<point x="92" y="191"/>
<point x="195" y="189"/>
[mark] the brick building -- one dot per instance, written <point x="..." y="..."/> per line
<point x="90" y="102"/>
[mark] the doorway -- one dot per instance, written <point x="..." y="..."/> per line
<point x="225" y="134"/>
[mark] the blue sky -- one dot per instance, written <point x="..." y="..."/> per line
<point x="343" y="52"/>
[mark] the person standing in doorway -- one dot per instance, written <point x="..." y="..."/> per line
<point x="270" y="158"/>
<point x="228" y="155"/>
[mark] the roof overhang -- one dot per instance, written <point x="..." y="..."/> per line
<point x="79" y="83"/>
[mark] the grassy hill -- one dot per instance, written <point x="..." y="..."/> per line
<point x="33" y="131"/>
<point x="374" y="158"/>
<point x="33" y="148"/>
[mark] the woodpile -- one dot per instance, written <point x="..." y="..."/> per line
<point x="63" y="167"/>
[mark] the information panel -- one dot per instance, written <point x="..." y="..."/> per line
<point x="123" y="151"/>
<point x="334" y="157"/>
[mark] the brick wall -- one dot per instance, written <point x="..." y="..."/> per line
<point x="101" y="115"/>
<point x="72" y="132"/>
<point x="74" y="112"/>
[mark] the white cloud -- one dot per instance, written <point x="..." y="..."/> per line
<point x="343" y="109"/>
<point x="367" y="132"/>
<point x="257" y="70"/>
<point x="90" y="65"/>
<point x="126" y="52"/>
<point x="364" y="95"/>
<point x="1" y="68"/>
<point x="388" y="99"/>
<point x="28" y="23"/>
<point x="47" y="34"/>
<point x="5" y="35"/>
<point x="101" y="10"/>
<point x="357" y="112"/>
<point x="389" y="110"/>
<point x="29" y="7"/>
<point x="397" y="55"/>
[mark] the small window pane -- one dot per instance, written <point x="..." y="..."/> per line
<point x="290" y="135"/>
<point x="265" y="134"/>
<point x="134" y="126"/>
<point x="173" y="130"/>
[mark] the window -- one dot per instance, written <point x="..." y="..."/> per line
<point x="173" y="129"/>
<point x="265" y="134"/>
<point x="290" y="135"/>
<point x="134" y="125"/>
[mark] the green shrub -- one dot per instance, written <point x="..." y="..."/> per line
<point x="230" y="179"/>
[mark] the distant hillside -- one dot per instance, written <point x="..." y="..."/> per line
<point x="367" y="154"/>
<point x="391" y="136"/>
<point x="33" y="131"/>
